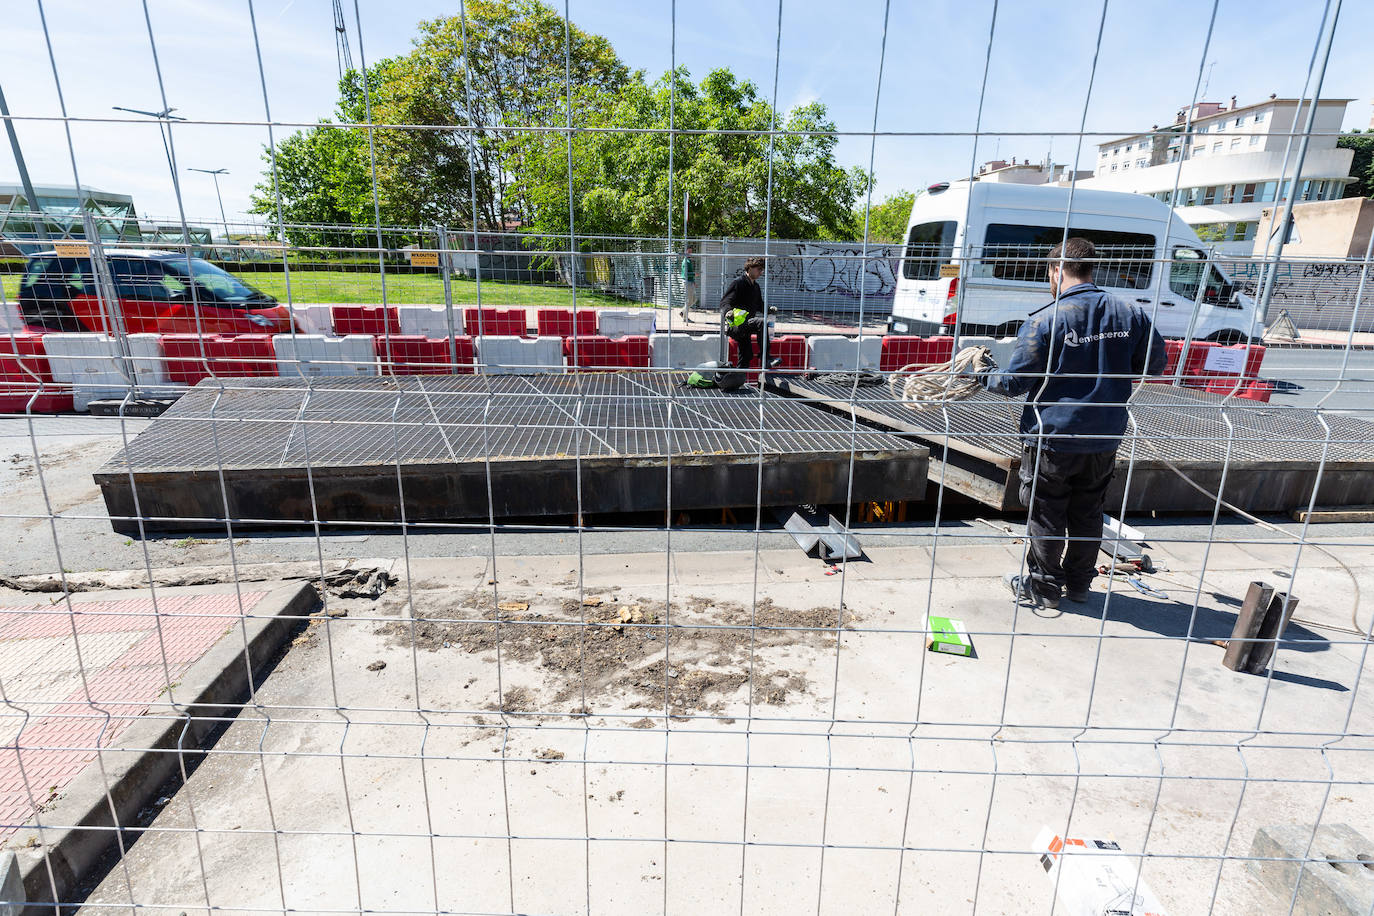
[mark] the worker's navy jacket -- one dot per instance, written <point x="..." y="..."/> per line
<point x="1074" y="360"/>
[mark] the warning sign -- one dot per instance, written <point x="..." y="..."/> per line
<point x="949" y="270"/>
<point x="71" y="249"/>
<point x="424" y="259"/>
<point x="1225" y="359"/>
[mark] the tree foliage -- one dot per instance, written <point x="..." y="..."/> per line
<point x="886" y="220"/>
<point x="471" y="127"/>
<point x="722" y="157"/>
<point x="518" y="76"/>
<point x="1362" y="166"/>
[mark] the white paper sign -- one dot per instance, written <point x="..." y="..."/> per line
<point x="1225" y="360"/>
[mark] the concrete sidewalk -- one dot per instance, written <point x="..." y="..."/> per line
<point x="100" y="692"/>
<point x="697" y="730"/>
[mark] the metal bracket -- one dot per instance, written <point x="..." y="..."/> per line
<point x="820" y="534"/>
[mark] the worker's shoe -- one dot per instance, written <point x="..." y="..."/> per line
<point x="1077" y="595"/>
<point x="1026" y="593"/>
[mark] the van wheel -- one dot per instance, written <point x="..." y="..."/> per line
<point x="1008" y="329"/>
<point x="1229" y="337"/>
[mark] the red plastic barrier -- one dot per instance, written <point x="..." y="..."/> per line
<point x="1257" y="390"/>
<point x="364" y="319"/>
<point x="559" y="322"/>
<point x="23" y="368"/>
<point x="415" y="354"/>
<point x="495" y="322"/>
<point x="921" y="351"/>
<point x="191" y="357"/>
<point x="594" y="351"/>
<point x="634" y="351"/>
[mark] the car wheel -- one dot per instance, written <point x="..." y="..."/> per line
<point x="1229" y="337"/>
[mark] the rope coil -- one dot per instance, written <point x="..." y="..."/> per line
<point x="919" y="386"/>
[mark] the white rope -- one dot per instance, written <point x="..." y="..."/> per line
<point x="948" y="381"/>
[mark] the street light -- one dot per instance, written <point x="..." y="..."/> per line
<point x="162" y="116"/>
<point x="215" y="173"/>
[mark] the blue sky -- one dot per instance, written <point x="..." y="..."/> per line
<point x="1041" y="58"/>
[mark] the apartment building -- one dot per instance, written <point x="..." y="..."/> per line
<point x="1227" y="162"/>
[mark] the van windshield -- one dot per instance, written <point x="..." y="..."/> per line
<point x="1019" y="252"/>
<point x="928" y="245"/>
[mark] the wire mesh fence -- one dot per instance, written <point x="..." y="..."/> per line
<point x="507" y="562"/>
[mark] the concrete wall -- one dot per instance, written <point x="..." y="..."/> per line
<point x="1322" y="229"/>
<point x="1319" y="295"/>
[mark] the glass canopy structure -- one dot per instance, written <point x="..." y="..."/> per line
<point x="115" y="217"/>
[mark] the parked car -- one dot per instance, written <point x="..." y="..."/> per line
<point x="159" y="292"/>
<point x="976" y="253"/>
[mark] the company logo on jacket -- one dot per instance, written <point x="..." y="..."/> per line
<point x="1071" y="338"/>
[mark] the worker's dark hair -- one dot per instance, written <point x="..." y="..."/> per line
<point x="753" y="262"/>
<point x="1077" y="255"/>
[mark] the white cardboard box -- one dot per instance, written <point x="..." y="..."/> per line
<point x="1093" y="877"/>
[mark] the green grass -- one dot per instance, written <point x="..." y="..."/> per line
<point x="401" y="289"/>
<point x="419" y="289"/>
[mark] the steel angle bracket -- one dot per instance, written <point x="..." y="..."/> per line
<point x="819" y="533"/>
<point x="1123" y="542"/>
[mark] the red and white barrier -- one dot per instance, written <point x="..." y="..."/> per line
<point x="26" y="381"/>
<point x="833" y="353"/>
<point x="95" y="368"/>
<point x="413" y="354"/>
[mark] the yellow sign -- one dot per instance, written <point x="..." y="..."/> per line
<point x="71" y="249"/>
<point x="949" y="270"/>
<point x="424" y="258"/>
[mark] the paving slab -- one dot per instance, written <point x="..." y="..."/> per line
<point x="102" y="690"/>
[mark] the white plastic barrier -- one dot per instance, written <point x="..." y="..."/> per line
<point x="96" y="369"/>
<point x="313" y="355"/>
<point x="500" y="355"/>
<point x="314" y="319"/>
<point x="686" y="351"/>
<point x="428" y="320"/>
<point x="10" y="319"/>
<point x="832" y="353"/>
<point x="624" y="322"/>
<point x="1001" y="348"/>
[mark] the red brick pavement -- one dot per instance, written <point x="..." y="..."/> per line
<point x="58" y="735"/>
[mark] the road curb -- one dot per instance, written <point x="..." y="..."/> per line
<point x="54" y="860"/>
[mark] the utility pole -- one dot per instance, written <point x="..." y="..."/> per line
<point x="38" y="223"/>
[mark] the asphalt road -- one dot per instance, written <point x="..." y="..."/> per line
<point x="1327" y="376"/>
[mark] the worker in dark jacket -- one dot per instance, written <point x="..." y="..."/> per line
<point x="744" y="315"/>
<point x="1075" y="360"/>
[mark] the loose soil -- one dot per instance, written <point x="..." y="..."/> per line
<point x="622" y="651"/>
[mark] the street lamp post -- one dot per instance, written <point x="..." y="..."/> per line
<point x="215" y="173"/>
<point x="162" y="117"/>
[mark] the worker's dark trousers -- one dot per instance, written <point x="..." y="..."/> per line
<point x="743" y="334"/>
<point x="1069" y="490"/>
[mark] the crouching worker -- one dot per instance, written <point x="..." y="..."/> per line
<point x="744" y="315"/>
<point x="1074" y="360"/>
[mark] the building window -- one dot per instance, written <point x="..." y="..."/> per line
<point x="1216" y="147"/>
<point x="1141" y="163"/>
<point x="1259" y="117"/>
<point x="1235" y="144"/>
<point x="1266" y="192"/>
<point x="1209" y="196"/>
<point x="1254" y="139"/>
<point x="1204" y="128"/>
<point x="1247" y="194"/>
<point x="1239" y="121"/>
<point x="1125" y="165"/>
<point x="1113" y="166"/>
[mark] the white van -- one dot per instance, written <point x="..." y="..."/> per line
<point x="979" y="249"/>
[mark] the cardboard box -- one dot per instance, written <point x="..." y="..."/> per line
<point x="947" y="635"/>
<point x="1094" y="877"/>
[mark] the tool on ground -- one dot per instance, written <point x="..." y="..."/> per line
<point x="920" y="386"/>
<point x="1261" y="621"/>
<point x="713" y="375"/>
<point x="947" y="635"/>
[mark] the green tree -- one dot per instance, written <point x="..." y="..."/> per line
<point x="518" y="54"/>
<point x="620" y="176"/>
<point x="887" y="220"/>
<point x="1362" y="166"/>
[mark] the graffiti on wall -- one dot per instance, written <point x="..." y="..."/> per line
<point x="845" y="270"/>
<point x="1315" y="294"/>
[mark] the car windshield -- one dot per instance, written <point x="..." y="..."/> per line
<point x="222" y="285"/>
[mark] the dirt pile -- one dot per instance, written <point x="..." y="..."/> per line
<point x="620" y="651"/>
